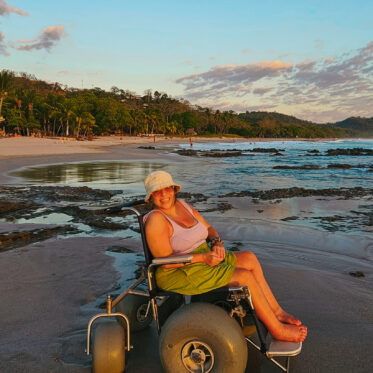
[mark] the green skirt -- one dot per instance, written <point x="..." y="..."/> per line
<point x="197" y="278"/>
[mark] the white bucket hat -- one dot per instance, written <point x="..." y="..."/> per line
<point x="158" y="180"/>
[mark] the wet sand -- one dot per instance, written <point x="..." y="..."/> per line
<point x="50" y="289"/>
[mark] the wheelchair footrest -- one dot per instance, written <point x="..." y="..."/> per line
<point x="283" y="348"/>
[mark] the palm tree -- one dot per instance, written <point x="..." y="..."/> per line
<point x="29" y="99"/>
<point x="82" y="114"/>
<point x="66" y="109"/>
<point x="6" y="79"/>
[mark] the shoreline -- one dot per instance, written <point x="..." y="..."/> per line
<point x="58" y="283"/>
<point x="11" y="147"/>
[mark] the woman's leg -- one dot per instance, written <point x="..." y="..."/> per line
<point x="285" y="332"/>
<point x="248" y="260"/>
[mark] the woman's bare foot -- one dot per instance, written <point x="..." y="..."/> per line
<point x="286" y="318"/>
<point x="290" y="333"/>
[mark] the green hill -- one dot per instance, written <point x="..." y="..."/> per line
<point x="272" y="124"/>
<point x="357" y="126"/>
<point x="30" y="105"/>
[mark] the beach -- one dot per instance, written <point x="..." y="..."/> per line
<point x="50" y="288"/>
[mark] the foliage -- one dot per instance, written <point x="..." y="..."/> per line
<point x="32" y="105"/>
<point x="357" y="126"/>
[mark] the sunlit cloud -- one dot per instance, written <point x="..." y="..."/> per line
<point x="330" y="60"/>
<point x="230" y="76"/>
<point x="6" y="9"/>
<point x="337" y="87"/>
<point x="48" y="38"/>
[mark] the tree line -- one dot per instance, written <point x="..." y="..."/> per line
<point x="29" y="106"/>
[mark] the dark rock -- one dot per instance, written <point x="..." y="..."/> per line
<point x="146" y="147"/>
<point x="60" y="193"/>
<point x="350" y="152"/>
<point x="237" y="243"/>
<point x="266" y="150"/>
<point x="91" y="218"/>
<point x="259" y="211"/>
<point x="341" y="165"/>
<point x="303" y="167"/>
<point x="222" y="206"/>
<point x="329" y="218"/>
<point x="313" y="151"/>
<point x="290" y="218"/>
<point x="357" y="274"/>
<point x="192" y="197"/>
<point x="8" y="206"/>
<point x="119" y="249"/>
<point x="187" y="152"/>
<point x="222" y="154"/>
<point x="302" y="192"/>
<point x="15" y="239"/>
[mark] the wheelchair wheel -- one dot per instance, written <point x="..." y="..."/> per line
<point x="202" y="338"/>
<point x="135" y="307"/>
<point x="108" y="353"/>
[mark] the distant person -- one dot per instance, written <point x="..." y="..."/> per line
<point x="174" y="227"/>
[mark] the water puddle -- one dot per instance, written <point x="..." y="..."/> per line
<point x="99" y="174"/>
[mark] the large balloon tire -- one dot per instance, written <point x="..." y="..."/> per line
<point x="135" y="308"/>
<point x="108" y="354"/>
<point x="202" y="332"/>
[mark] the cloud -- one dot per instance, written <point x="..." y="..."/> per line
<point x="3" y="49"/>
<point x="261" y="90"/>
<point x="242" y="107"/>
<point x="6" y="9"/>
<point x="312" y="89"/>
<point x="46" y="40"/>
<point x="330" y="60"/>
<point x="231" y="78"/>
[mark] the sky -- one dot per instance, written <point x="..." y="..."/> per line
<point x="311" y="59"/>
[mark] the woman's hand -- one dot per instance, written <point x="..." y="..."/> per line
<point x="219" y="249"/>
<point x="212" y="258"/>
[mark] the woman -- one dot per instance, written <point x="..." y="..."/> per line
<point x="176" y="228"/>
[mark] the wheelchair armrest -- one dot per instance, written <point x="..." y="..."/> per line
<point x="172" y="260"/>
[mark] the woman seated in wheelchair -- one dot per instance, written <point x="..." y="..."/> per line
<point x="174" y="227"/>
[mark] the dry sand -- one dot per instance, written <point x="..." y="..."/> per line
<point x="11" y="147"/>
<point x="48" y="288"/>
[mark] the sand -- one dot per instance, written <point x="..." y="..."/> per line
<point x="49" y="290"/>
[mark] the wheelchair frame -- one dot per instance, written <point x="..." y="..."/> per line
<point x="236" y="295"/>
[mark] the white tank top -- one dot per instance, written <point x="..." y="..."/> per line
<point x="185" y="240"/>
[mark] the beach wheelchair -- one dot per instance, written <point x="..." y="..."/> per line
<point x="205" y="333"/>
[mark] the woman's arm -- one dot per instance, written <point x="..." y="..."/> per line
<point x="213" y="235"/>
<point x="158" y="233"/>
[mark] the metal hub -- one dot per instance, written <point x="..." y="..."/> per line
<point x="142" y="313"/>
<point x="197" y="357"/>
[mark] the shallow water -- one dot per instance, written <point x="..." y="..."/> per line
<point x="218" y="176"/>
<point x="254" y="171"/>
<point x="98" y="174"/>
